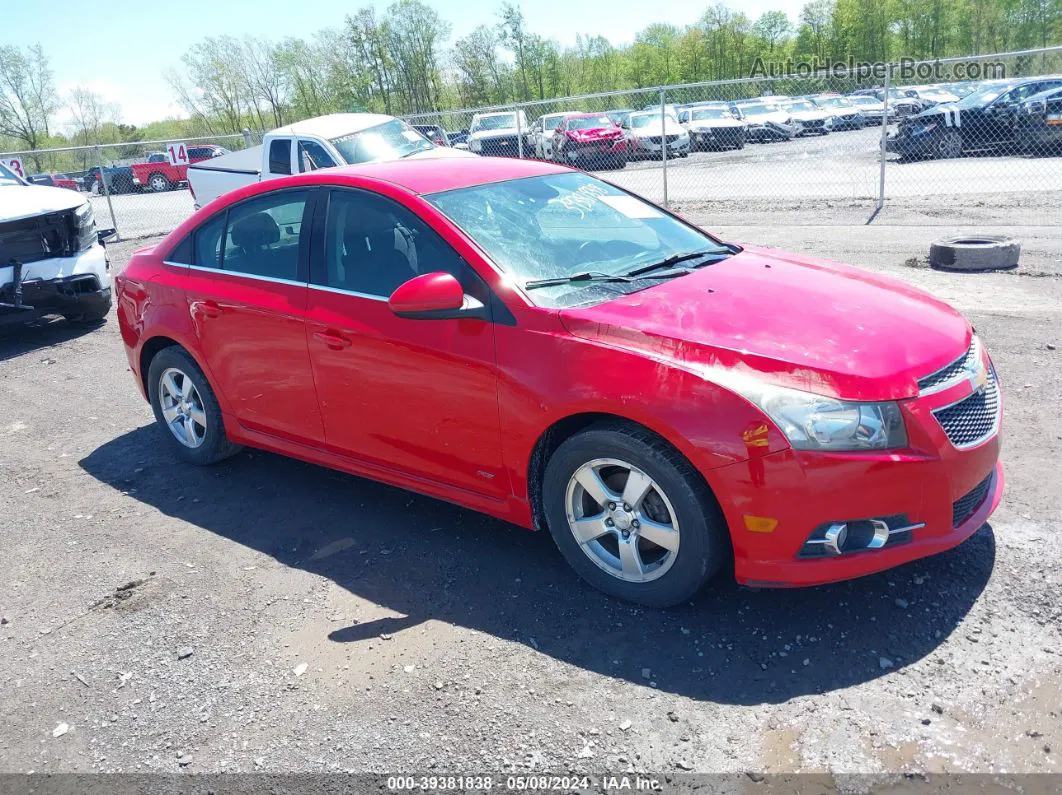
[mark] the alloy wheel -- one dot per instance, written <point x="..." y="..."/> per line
<point x="622" y="520"/>
<point x="950" y="144"/>
<point x="182" y="408"/>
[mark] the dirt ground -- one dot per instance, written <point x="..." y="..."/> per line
<point x="268" y="615"/>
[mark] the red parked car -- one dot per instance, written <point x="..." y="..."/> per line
<point x="590" y="140"/>
<point x="54" y="181"/>
<point x="537" y="344"/>
<point x="158" y="174"/>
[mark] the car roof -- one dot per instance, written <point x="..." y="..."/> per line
<point x="333" y="125"/>
<point x="1045" y="93"/>
<point x="431" y="175"/>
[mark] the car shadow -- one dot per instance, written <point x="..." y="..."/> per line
<point x="426" y="559"/>
<point x="19" y="339"/>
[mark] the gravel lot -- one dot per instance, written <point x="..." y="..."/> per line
<point x="268" y="615"/>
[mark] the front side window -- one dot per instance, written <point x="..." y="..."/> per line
<point x="373" y="245"/>
<point x="555" y="225"/>
<point x="391" y="140"/>
<point x="313" y="156"/>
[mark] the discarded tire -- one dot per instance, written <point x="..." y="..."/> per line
<point x="975" y="253"/>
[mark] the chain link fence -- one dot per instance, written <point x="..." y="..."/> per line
<point x="833" y="146"/>
<point x="932" y="140"/>
<point x="139" y="187"/>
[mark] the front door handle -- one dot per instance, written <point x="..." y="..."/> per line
<point x="211" y="309"/>
<point x="333" y="341"/>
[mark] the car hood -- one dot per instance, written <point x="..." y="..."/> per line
<point x="440" y="151"/>
<point x="26" y="201"/>
<point x="809" y="115"/>
<point x="654" y="128"/>
<point x="479" y="135"/>
<point x="788" y="320"/>
<point x="775" y="117"/>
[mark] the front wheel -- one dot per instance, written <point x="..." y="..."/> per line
<point x="950" y="144"/>
<point x="631" y="515"/>
<point x="158" y="183"/>
<point x="186" y="409"/>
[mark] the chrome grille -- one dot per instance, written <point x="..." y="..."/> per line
<point x="953" y="371"/>
<point x="964" y="507"/>
<point x="973" y="419"/>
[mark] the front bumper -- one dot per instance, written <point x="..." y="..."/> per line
<point x="799" y="492"/>
<point x="62" y="285"/>
<point x="726" y="136"/>
<point x="907" y="145"/>
<point x="645" y="146"/>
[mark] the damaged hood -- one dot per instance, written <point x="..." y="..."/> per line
<point x="26" y="201"/>
<point x="788" y="320"/>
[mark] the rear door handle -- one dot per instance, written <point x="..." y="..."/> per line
<point x="333" y="341"/>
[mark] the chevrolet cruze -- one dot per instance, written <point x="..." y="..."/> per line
<point x="531" y="342"/>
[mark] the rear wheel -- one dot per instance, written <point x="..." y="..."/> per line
<point x="631" y="515"/>
<point x="186" y="409"/>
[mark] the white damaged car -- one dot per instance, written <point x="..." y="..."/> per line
<point x="52" y="260"/>
<point x="809" y="118"/>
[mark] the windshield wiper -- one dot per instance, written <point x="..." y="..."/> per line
<point x="675" y="260"/>
<point x="596" y="276"/>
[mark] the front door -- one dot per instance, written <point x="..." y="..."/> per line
<point x="413" y="396"/>
<point x="246" y="292"/>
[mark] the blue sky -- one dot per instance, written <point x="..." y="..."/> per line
<point x="121" y="48"/>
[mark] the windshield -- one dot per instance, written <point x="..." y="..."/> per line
<point x="594" y="123"/>
<point x="710" y="113"/>
<point x="801" y="104"/>
<point x="555" y="225"/>
<point x="864" y="100"/>
<point x="552" y="122"/>
<point x="388" y="141"/>
<point x="641" y="121"/>
<point x="983" y="96"/>
<point x="7" y="177"/>
<point x="835" y="102"/>
<point x="500" y="122"/>
<point x="758" y="110"/>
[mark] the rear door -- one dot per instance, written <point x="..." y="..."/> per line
<point x="246" y="293"/>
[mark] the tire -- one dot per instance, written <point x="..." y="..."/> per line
<point x="701" y="542"/>
<point x="91" y="316"/>
<point x="949" y="145"/>
<point x="158" y="183"/>
<point x="975" y="253"/>
<point x="214" y="445"/>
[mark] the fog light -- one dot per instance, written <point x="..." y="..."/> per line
<point x="858" y="535"/>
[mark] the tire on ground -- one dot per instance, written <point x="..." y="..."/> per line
<point x="705" y="539"/>
<point x="975" y="253"/>
<point x="216" y="445"/>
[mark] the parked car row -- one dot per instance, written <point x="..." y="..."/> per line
<point x="1022" y="115"/>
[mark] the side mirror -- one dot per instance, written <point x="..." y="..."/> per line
<point x="433" y="296"/>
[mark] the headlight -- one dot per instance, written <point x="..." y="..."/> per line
<point x="815" y="422"/>
<point x="85" y="221"/>
<point x="924" y="128"/>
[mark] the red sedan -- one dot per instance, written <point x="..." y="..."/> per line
<point x="537" y="344"/>
<point x="590" y="140"/>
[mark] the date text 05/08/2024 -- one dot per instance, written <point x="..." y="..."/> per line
<point x="531" y="783"/>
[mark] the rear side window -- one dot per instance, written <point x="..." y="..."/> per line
<point x="280" y="156"/>
<point x="262" y="236"/>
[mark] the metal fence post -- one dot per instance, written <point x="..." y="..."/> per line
<point x="663" y="138"/>
<point x="247" y="138"/>
<point x="106" y="190"/>
<point x="519" y="133"/>
<point x="884" y="136"/>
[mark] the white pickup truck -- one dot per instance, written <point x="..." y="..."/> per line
<point x="321" y="142"/>
<point x="52" y="260"/>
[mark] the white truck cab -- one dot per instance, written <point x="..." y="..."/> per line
<point x="322" y="142"/>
